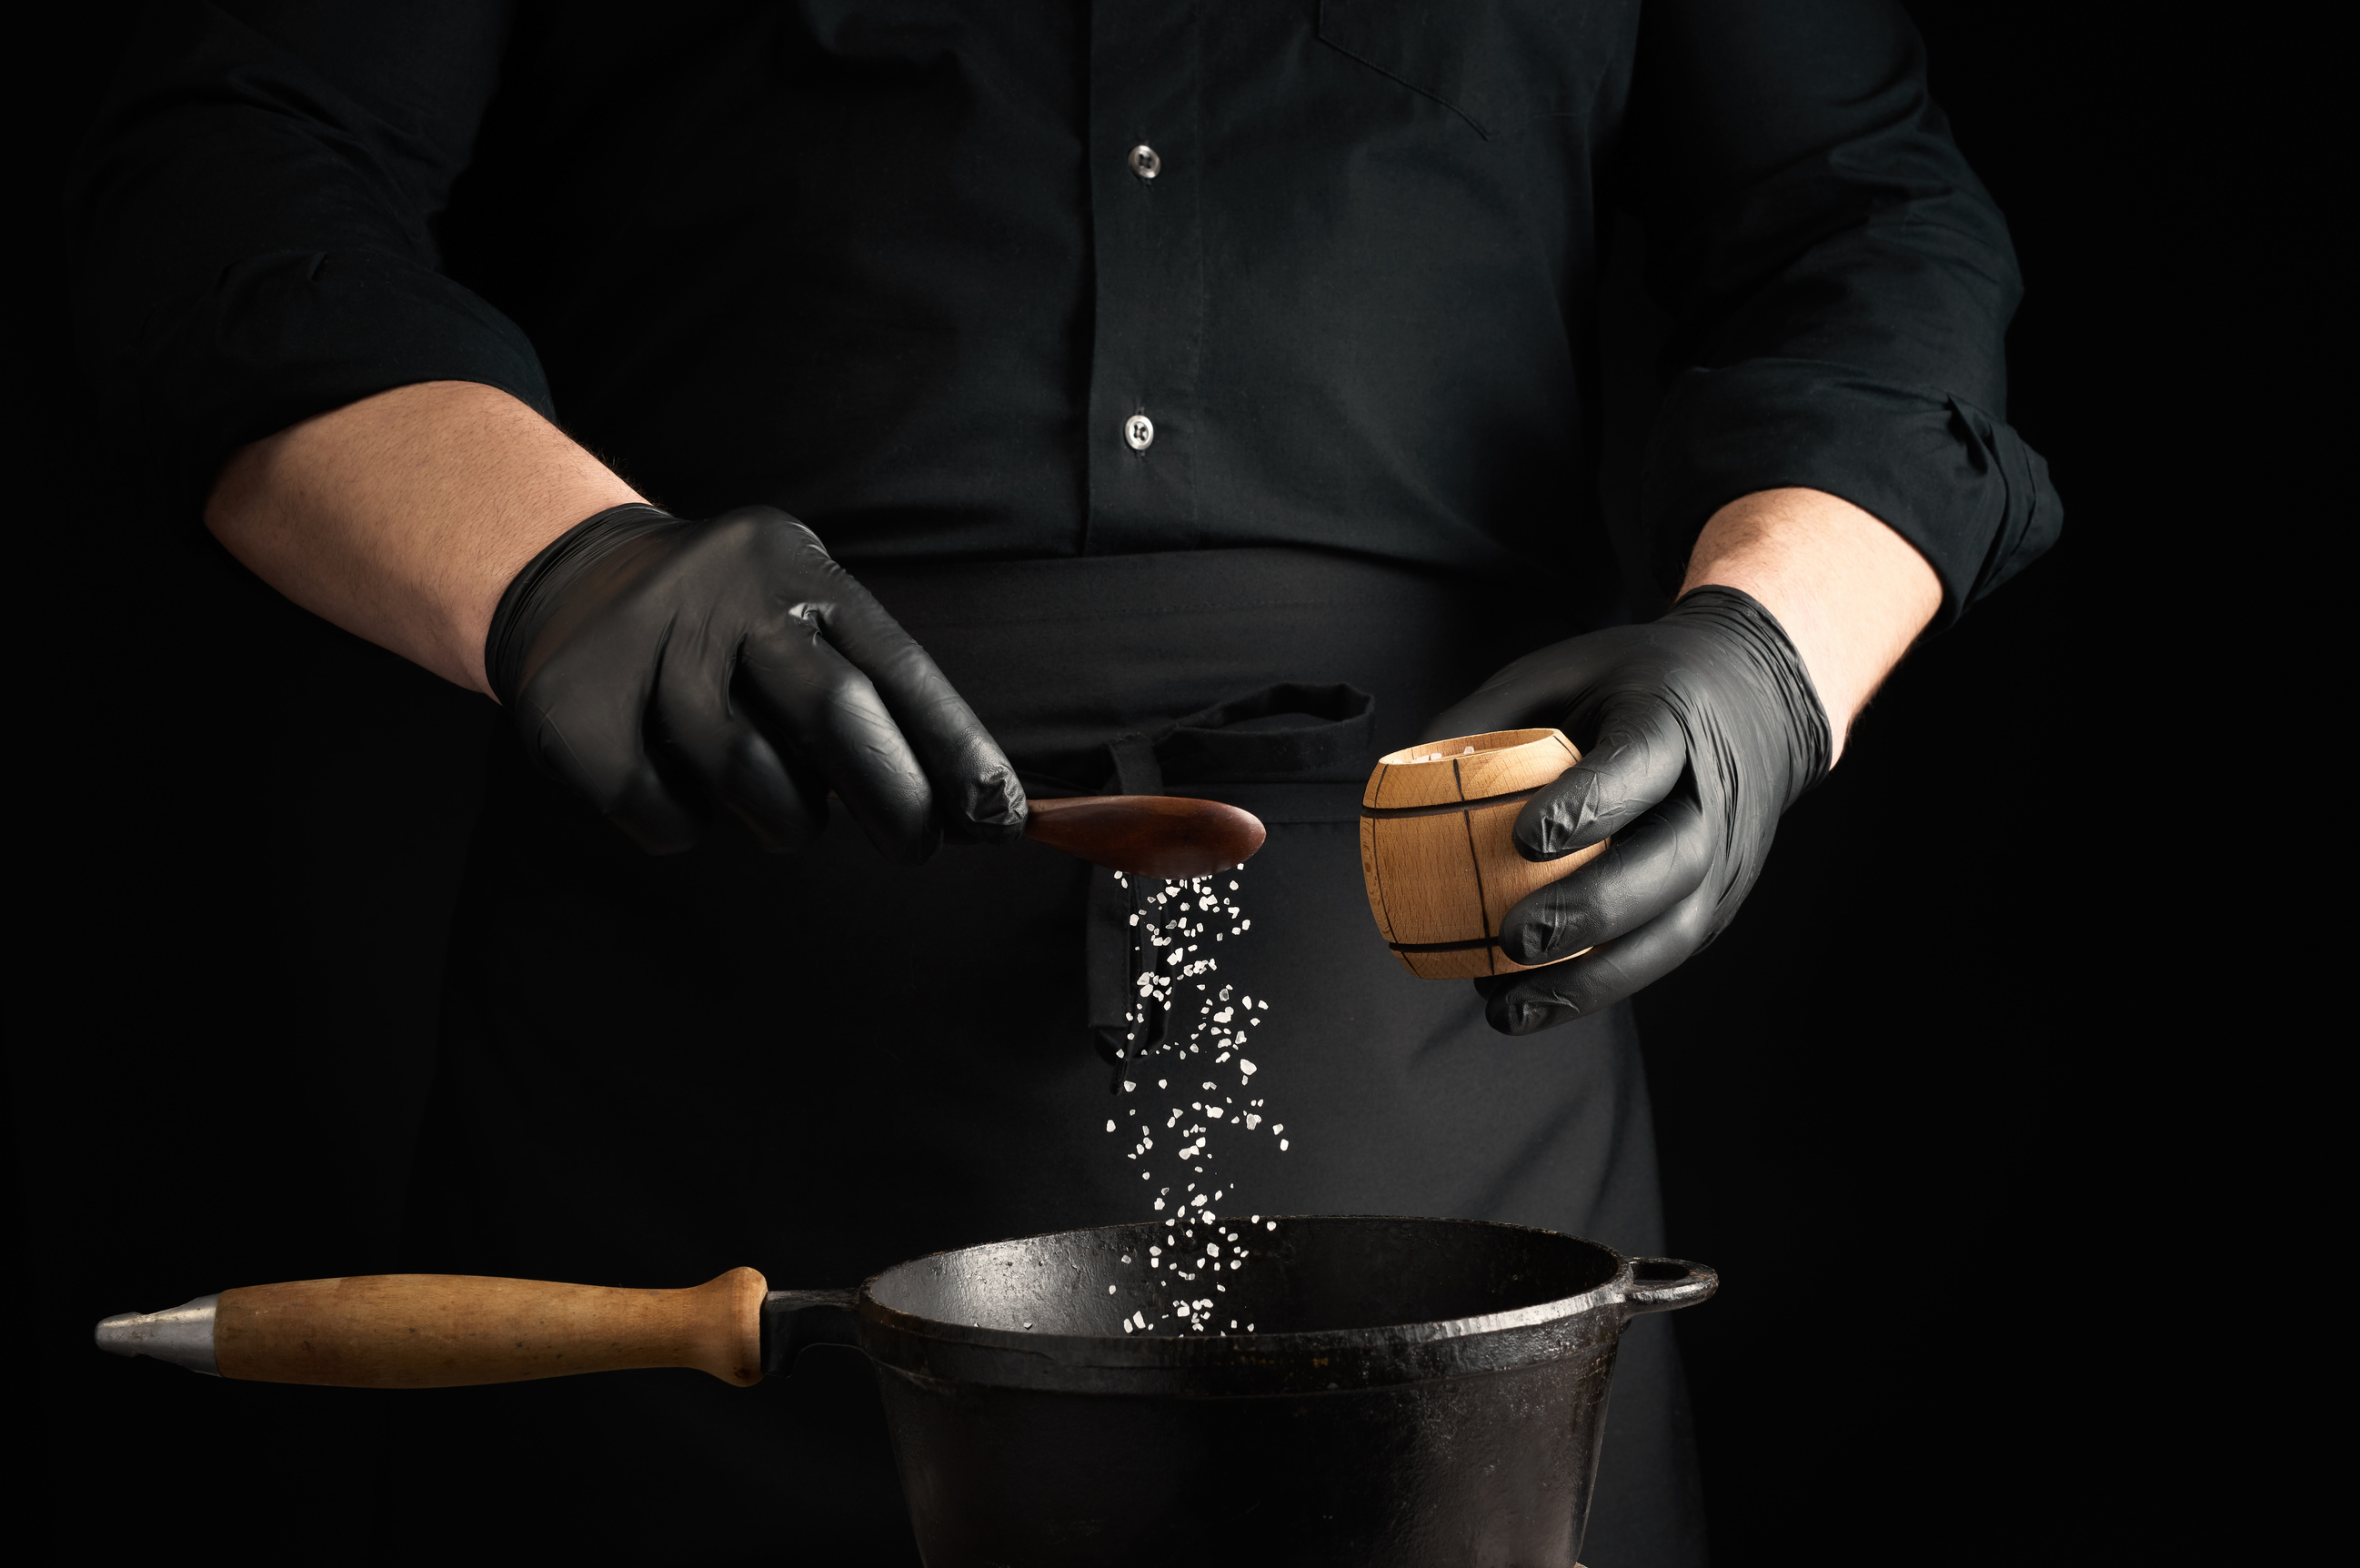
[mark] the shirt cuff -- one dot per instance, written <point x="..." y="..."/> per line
<point x="1954" y="481"/>
<point x="283" y="337"/>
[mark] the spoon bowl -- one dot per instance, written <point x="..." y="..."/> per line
<point x="1147" y="835"/>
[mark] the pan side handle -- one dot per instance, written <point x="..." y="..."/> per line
<point x="1667" y="1284"/>
<point x="793" y="1318"/>
<point x="438" y="1330"/>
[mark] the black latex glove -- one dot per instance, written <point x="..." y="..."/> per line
<point x="665" y="669"/>
<point x="1696" y="732"/>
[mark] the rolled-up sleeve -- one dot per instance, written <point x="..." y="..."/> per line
<point x="1839" y="285"/>
<point x="253" y="217"/>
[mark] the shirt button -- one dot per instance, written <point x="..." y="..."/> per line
<point x="1140" y="431"/>
<point x="1144" y="163"/>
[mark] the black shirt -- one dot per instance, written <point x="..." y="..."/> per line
<point x="900" y="267"/>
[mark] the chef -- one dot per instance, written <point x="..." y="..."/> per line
<point x="822" y="427"/>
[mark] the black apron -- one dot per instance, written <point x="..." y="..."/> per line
<point x="654" y="1069"/>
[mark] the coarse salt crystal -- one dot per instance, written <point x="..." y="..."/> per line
<point x="1109" y="1123"/>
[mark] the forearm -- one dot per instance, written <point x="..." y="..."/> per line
<point x="402" y="518"/>
<point x="1852" y="593"/>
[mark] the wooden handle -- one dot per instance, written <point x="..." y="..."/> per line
<point x="441" y="1331"/>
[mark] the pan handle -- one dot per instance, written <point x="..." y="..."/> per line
<point x="793" y="1318"/>
<point x="1667" y="1284"/>
<point x="442" y="1331"/>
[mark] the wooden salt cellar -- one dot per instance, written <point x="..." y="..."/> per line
<point x="1438" y="852"/>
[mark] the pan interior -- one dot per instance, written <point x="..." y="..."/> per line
<point x="1316" y="1274"/>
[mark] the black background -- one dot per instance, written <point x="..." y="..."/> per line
<point x="1916" y="1106"/>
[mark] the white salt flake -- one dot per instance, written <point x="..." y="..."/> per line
<point x="1109" y="1123"/>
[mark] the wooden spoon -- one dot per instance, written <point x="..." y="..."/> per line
<point x="1147" y="835"/>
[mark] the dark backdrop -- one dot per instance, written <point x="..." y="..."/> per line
<point x="1899" y="1103"/>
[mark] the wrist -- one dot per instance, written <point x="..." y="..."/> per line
<point x="1779" y="677"/>
<point x="533" y="602"/>
<point x="1849" y="593"/>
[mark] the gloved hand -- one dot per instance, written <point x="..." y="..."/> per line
<point x="665" y="669"/>
<point x="1696" y="732"/>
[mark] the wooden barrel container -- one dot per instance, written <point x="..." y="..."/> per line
<point x="1437" y="851"/>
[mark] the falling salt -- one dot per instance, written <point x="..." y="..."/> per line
<point x="1178" y="922"/>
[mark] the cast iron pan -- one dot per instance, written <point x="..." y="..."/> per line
<point x="1411" y="1391"/>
